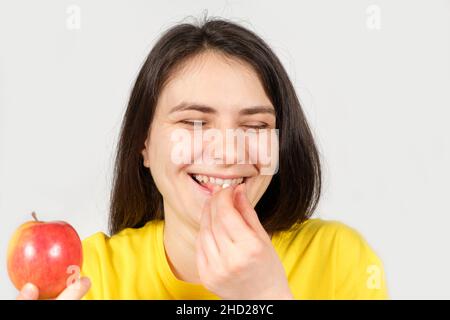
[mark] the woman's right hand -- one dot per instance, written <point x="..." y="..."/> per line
<point x="75" y="291"/>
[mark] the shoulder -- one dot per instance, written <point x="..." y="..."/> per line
<point x="330" y="237"/>
<point x="347" y="242"/>
<point x="357" y="269"/>
<point x="320" y="231"/>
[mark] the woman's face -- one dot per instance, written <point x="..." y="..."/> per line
<point x="187" y="149"/>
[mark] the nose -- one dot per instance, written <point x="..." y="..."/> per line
<point x="228" y="146"/>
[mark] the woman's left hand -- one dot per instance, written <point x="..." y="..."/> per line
<point x="235" y="255"/>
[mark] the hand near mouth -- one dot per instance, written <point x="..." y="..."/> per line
<point x="235" y="255"/>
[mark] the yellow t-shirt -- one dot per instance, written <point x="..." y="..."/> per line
<point x="322" y="259"/>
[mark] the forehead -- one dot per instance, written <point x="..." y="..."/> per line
<point x="215" y="80"/>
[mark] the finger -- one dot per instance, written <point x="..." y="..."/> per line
<point x="76" y="290"/>
<point x="228" y="218"/>
<point x="210" y="250"/>
<point x="207" y="239"/>
<point x="202" y="261"/>
<point x="243" y="205"/>
<point x="28" y="292"/>
<point x="224" y="240"/>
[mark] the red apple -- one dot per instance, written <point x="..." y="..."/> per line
<point x="45" y="254"/>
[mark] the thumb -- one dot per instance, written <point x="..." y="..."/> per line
<point x="28" y="292"/>
<point x="243" y="205"/>
<point x="76" y="290"/>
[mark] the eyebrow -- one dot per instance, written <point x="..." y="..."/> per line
<point x="184" y="106"/>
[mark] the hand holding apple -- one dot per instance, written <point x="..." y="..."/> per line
<point x="44" y="258"/>
<point x="75" y="291"/>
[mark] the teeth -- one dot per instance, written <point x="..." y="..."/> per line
<point x="224" y="183"/>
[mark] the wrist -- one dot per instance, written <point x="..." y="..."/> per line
<point x="287" y="295"/>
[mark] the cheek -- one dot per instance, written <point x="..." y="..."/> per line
<point x="167" y="154"/>
<point x="162" y="145"/>
<point x="258" y="187"/>
<point x="159" y="157"/>
<point x="264" y="152"/>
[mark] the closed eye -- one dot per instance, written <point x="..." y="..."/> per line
<point x="193" y="122"/>
<point x="256" y="126"/>
<point x="200" y="123"/>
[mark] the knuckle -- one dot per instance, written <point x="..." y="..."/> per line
<point x="209" y="282"/>
<point x="216" y="278"/>
<point x="237" y="265"/>
<point x="221" y="275"/>
<point x="256" y="250"/>
<point x="222" y="216"/>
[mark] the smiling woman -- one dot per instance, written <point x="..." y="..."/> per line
<point x="221" y="228"/>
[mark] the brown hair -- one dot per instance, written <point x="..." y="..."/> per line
<point x="294" y="191"/>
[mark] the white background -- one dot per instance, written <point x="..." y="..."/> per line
<point x="377" y="99"/>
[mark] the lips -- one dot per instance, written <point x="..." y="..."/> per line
<point x="208" y="189"/>
<point x="208" y="182"/>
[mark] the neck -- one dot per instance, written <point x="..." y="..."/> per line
<point x="180" y="237"/>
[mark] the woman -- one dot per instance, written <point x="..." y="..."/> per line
<point x="220" y="229"/>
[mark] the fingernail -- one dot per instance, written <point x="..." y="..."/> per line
<point x="216" y="189"/>
<point x="29" y="290"/>
<point x="241" y="188"/>
<point x="86" y="281"/>
<point x="243" y="192"/>
<point x="80" y="283"/>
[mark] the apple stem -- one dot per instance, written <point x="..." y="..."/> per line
<point x="33" y="214"/>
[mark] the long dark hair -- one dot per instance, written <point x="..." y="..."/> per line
<point x="294" y="191"/>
